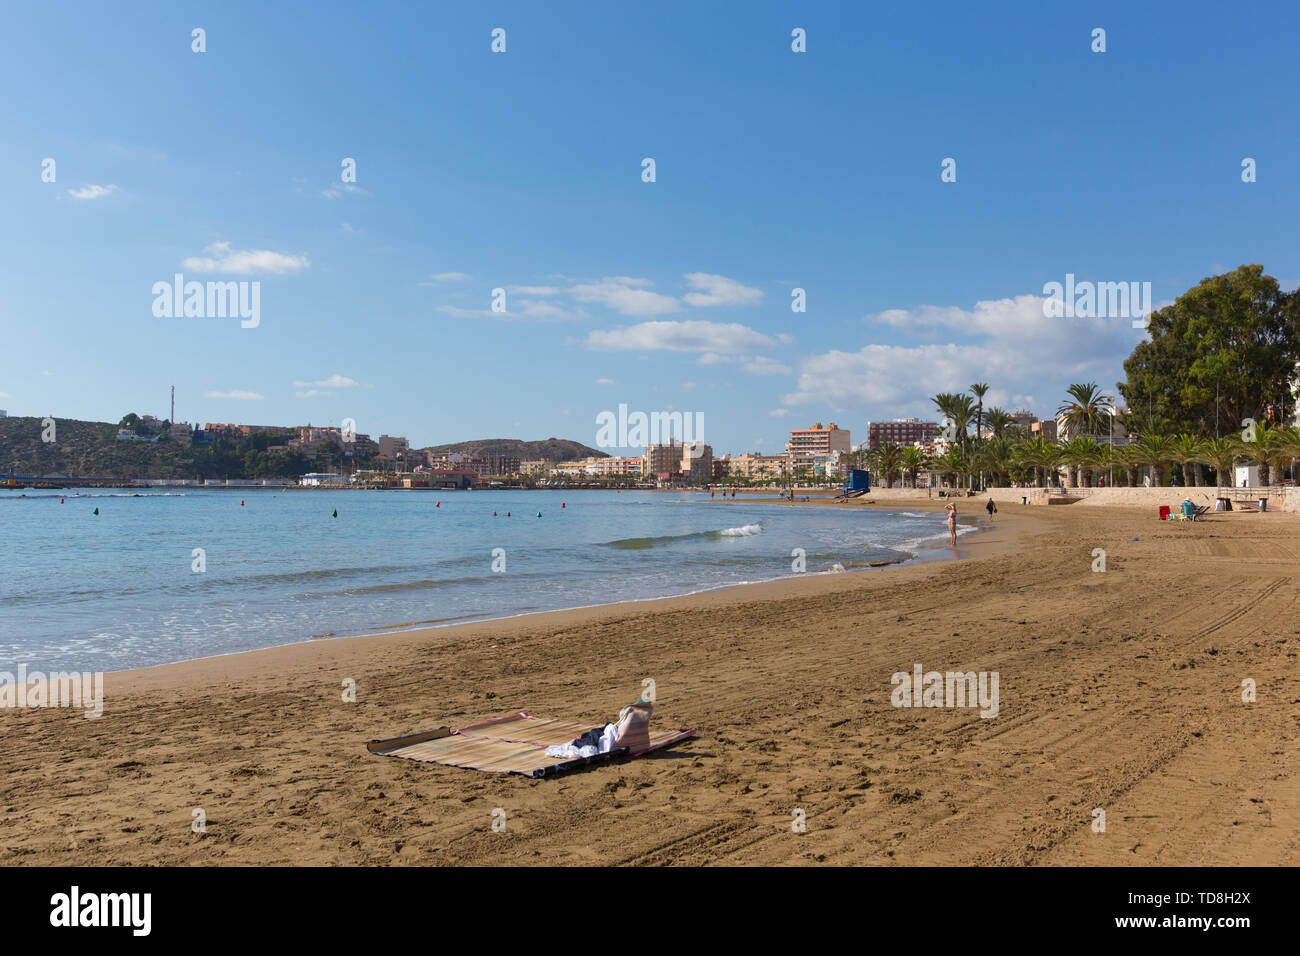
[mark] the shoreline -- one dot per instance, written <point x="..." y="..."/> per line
<point x="925" y="554"/>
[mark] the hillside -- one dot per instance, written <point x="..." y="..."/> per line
<point x="89" y="449"/>
<point x="556" y="449"/>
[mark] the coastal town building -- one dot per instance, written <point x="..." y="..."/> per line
<point x="1023" y="419"/>
<point x="900" y="431"/>
<point x="754" y="465"/>
<point x="391" y="447"/>
<point x="617" y="467"/>
<point x="818" y="439"/>
<point x="697" y="461"/>
<point x="663" y="461"/>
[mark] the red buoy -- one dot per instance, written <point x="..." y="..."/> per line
<point x="241" y="502"/>
<point x="438" y="505"/>
<point x="561" y="504"/>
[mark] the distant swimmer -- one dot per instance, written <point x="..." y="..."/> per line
<point x="336" y="513"/>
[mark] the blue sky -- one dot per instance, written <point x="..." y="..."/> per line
<point x="523" y="170"/>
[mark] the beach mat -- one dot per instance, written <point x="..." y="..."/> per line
<point x="515" y="743"/>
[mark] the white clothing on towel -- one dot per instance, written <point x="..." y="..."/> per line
<point x="570" y="752"/>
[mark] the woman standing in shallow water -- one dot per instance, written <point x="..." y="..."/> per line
<point x="952" y="523"/>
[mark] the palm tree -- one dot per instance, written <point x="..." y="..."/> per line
<point x="957" y="409"/>
<point x="1222" y="454"/>
<point x="912" y="460"/>
<point x="1269" y="449"/>
<point x="888" y="456"/>
<point x="1124" y="458"/>
<point x="1290" y="440"/>
<point x="1155" y="451"/>
<point x="1082" y="453"/>
<point x="979" y="390"/>
<point x="997" y="456"/>
<point x="1189" y="452"/>
<point x="999" y="420"/>
<point x="1084" y="409"/>
<point x="1033" y="454"/>
<point x="950" y="462"/>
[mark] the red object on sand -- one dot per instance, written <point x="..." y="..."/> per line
<point x="1164" y="512"/>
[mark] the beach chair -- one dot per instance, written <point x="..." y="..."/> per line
<point x="1198" y="511"/>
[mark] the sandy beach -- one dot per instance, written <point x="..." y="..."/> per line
<point x="1119" y="690"/>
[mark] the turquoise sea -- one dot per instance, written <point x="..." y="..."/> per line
<point x="118" y="590"/>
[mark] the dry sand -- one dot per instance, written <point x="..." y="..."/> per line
<point x="1119" y="690"/>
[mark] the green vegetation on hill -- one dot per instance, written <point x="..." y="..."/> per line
<point x="555" y="449"/>
<point x="91" y="450"/>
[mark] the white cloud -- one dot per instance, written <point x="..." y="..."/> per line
<point x="533" y="289"/>
<point x="450" y="277"/>
<point x="719" y="290"/>
<point x="604" y="381"/>
<point x="334" y="381"/>
<point x="779" y="412"/>
<point x="237" y="394"/>
<point x="626" y="295"/>
<point x="92" y="192"/>
<point x="222" y="258"/>
<point x="1008" y="343"/>
<point x="542" y="310"/>
<point x="675" y="336"/>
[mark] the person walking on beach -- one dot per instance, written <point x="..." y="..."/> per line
<point x="952" y="524"/>
<point x="991" y="508"/>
